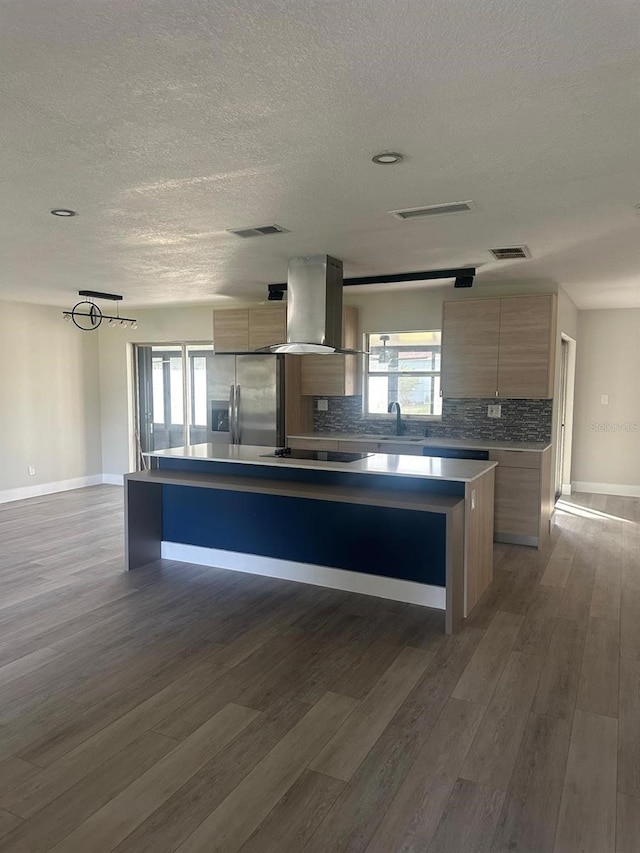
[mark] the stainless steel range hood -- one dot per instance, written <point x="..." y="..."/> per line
<point x="314" y="308"/>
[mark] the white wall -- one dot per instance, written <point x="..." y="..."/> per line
<point x="49" y="402"/>
<point x="606" y="447"/>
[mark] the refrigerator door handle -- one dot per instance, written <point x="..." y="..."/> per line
<point x="232" y="397"/>
<point x="237" y="415"/>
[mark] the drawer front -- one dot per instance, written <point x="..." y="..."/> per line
<point x="312" y="444"/>
<point x="517" y="501"/>
<point x="360" y="446"/>
<point x="403" y="448"/>
<point x="516" y="458"/>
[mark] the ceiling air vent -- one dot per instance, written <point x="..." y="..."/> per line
<point x="433" y="210"/>
<point x="258" y="231"/>
<point x="511" y="253"/>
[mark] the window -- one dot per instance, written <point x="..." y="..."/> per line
<point x="403" y="366"/>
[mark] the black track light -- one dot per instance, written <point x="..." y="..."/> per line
<point x="464" y="281"/>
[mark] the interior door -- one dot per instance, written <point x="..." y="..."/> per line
<point x="259" y="393"/>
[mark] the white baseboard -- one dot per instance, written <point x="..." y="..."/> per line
<point x="20" y="494"/>
<point x="113" y="479"/>
<point x="565" y="489"/>
<point x="623" y="489"/>
<point x="381" y="587"/>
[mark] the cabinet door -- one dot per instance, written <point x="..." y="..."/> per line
<point x="312" y="444"/>
<point x="323" y="375"/>
<point x="360" y="446"/>
<point x="517" y="501"/>
<point x="231" y="330"/>
<point x="470" y="335"/>
<point x="334" y="375"/>
<point x="527" y="344"/>
<point x="402" y="448"/>
<point x="267" y="326"/>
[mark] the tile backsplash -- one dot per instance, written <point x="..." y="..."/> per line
<point x="522" y="420"/>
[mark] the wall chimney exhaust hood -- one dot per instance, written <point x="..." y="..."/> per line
<point x="314" y="308"/>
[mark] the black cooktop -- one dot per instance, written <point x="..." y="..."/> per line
<point x="318" y="455"/>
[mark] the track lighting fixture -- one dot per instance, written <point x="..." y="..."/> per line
<point x="88" y="316"/>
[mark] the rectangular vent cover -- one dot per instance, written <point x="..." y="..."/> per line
<point x="258" y="231"/>
<point x="510" y="253"/>
<point x="433" y="210"/>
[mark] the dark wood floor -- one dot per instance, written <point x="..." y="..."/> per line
<point x="191" y="709"/>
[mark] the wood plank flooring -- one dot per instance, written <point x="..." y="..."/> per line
<point x="183" y="708"/>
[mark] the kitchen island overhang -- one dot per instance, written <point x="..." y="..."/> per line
<point x="405" y="528"/>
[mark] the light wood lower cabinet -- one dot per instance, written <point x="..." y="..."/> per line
<point x="402" y="448"/>
<point x="312" y="443"/>
<point x="523" y="503"/>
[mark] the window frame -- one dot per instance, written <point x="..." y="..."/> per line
<point x="413" y="373"/>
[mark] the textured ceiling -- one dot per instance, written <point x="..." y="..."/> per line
<point x="164" y="124"/>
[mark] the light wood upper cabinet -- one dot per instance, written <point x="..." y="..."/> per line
<point x="267" y="326"/>
<point x="527" y="346"/>
<point x="231" y="330"/>
<point x="334" y="375"/>
<point x="248" y="329"/>
<point x="470" y="339"/>
<point x="499" y="347"/>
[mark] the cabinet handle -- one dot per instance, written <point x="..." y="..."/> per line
<point x="496" y="392"/>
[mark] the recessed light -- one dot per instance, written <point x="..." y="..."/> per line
<point x="387" y="158"/>
<point x="62" y="211"/>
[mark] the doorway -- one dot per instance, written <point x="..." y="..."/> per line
<point x="564" y="428"/>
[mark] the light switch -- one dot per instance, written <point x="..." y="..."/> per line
<point x="604" y="399"/>
<point x="323" y="406"/>
<point x="494" y="410"/>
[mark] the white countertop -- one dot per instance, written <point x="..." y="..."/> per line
<point x="421" y="467"/>
<point x="432" y="441"/>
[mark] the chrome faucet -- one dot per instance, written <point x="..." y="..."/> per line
<point x="399" y="424"/>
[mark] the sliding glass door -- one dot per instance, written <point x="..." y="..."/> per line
<point x="172" y="387"/>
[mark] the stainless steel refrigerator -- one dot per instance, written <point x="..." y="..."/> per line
<point x="246" y="400"/>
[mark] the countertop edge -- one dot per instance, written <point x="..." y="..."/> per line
<point x="470" y="444"/>
<point x="252" y="457"/>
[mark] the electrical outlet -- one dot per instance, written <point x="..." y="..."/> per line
<point x="494" y="410"/>
<point x="323" y="406"/>
<point x="604" y="399"/>
<point x="32" y="470"/>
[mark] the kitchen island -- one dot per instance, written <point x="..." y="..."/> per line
<point x="524" y="487"/>
<point x="416" y="529"/>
